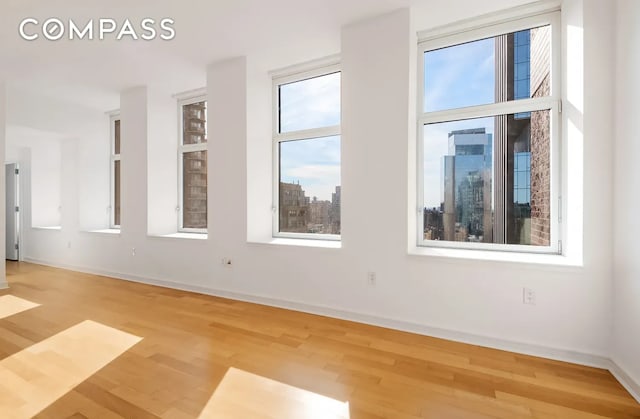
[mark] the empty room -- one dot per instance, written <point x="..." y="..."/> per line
<point x="355" y="209"/>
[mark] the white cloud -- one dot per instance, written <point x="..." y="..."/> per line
<point x="311" y="103"/>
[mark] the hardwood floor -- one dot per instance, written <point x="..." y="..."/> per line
<point x="202" y="356"/>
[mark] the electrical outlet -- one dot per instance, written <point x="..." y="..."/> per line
<point x="226" y="261"/>
<point x="528" y="296"/>
<point x="371" y="279"/>
<point x="68" y="245"/>
<point x="133" y="251"/>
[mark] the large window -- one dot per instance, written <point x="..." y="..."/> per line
<point x="114" y="212"/>
<point x="307" y="154"/>
<point x="488" y="138"/>
<point x="192" y="162"/>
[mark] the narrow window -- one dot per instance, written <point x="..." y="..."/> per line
<point x="115" y="172"/>
<point x="307" y="149"/>
<point x="193" y="166"/>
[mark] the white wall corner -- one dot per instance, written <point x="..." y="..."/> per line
<point x="624" y="377"/>
<point x="626" y="272"/>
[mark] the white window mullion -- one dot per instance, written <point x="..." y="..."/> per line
<point x="469" y="30"/>
<point x="482" y="111"/>
<point x="189" y="148"/>
<point x="299" y="73"/>
<point x="308" y="134"/>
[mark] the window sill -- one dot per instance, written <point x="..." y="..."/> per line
<point x="537" y="259"/>
<point x="187" y="236"/>
<point x="107" y="231"/>
<point x="54" y="228"/>
<point x="282" y="241"/>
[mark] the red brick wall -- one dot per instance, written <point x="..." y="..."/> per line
<point x="540" y="172"/>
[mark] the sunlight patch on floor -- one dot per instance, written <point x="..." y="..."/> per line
<point x="10" y="305"/>
<point x="37" y="376"/>
<point x="243" y="395"/>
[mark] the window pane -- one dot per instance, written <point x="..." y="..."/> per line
<point x="311" y="103"/>
<point x="194" y="123"/>
<point x="116" y="136"/>
<point x="116" y="192"/>
<point x="194" y="189"/>
<point x="309" y="191"/>
<point x="498" y="69"/>
<point x="488" y="180"/>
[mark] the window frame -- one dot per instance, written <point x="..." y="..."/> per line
<point x="296" y="75"/>
<point x="188" y="148"/>
<point x="112" y="170"/>
<point x="470" y="32"/>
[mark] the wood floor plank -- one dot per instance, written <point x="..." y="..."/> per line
<point x="10" y="305"/>
<point x="37" y="376"/>
<point x="268" y="398"/>
<point x="191" y="342"/>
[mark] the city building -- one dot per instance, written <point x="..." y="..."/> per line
<point x="300" y="214"/>
<point x="334" y="214"/>
<point x="194" y="163"/>
<point x="319" y="221"/>
<point x="522" y="170"/>
<point x="467" y="186"/>
<point x="434" y="224"/>
<point x="294" y="208"/>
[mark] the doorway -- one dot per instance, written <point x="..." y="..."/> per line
<point x="12" y="212"/>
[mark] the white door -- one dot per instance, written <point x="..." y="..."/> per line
<point x="12" y="213"/>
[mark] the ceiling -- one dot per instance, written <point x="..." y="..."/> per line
<point x="272" y="34"/>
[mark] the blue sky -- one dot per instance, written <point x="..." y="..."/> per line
<point x="315" y="163"/>
<point x="461" y="75"/>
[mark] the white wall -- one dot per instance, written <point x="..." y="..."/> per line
<point x="162" y="166"/>
<point x="259" y="192"/>
<point x="133" y="160"/>
<point x="31" y="115"/>
<point x="435" y="295"/>
<point x="227" y="124"/>
<point x="46" y="185"/>
<point x="43" y="165"/>
<point x="93" y="161"/>
<point x="626" y="325"/>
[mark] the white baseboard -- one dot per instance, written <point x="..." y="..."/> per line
<point x="4" y="285"/>
<point x="558" y="354"/>
<point x="632" y="386"/>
